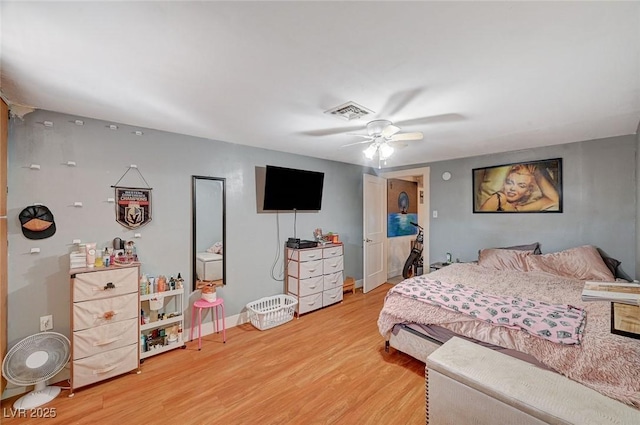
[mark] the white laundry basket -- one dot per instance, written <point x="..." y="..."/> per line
<point x="269" y="312"/>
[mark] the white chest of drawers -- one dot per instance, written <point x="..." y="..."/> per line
<point x="315" y="276"/>
<point x="105" y="322"/>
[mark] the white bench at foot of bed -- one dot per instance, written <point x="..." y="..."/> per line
<point x="472" y="385"/>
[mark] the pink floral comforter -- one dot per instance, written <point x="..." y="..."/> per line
<point x="560" y="323"/>
<point x="605" y="362"/>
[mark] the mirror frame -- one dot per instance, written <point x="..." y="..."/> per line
<point x="194" y="180"/>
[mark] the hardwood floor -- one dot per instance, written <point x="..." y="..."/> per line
<point x="327" y="367"/>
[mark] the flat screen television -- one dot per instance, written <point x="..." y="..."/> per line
<point x="291" y="189"/>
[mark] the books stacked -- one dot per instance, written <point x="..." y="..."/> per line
<point x="77" y="260"/>
<point x="618" y="292"/>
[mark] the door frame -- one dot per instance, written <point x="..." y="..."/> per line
<point x="424" y="209"/>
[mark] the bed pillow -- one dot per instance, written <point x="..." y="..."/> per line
<point x="504" y="259"/>
<point x="216" y="248"/>
<point x="614" y="266"/>
<point x="533" y="247"/>
<point x="583" y="262"/>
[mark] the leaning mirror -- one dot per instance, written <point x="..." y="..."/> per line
<point x="208" y="231"/>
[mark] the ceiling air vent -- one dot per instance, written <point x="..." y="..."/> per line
<point x="349" y="111"/>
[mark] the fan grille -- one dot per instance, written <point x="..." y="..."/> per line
<point x="55" y="347"/>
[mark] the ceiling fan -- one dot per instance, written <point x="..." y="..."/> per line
<point x="383" y="138"/>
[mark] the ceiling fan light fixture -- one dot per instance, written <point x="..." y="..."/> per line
<point x="370" y="152"/>
<point x="385" y="151"/>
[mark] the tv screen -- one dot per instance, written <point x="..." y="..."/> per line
<point x="290" y="189"/>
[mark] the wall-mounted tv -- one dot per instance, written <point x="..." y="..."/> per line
<point x="291" y="189"/>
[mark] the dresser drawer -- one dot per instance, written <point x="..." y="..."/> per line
<point x="332" y="265"/>
<point x="335" y="251"/>
<point x="103" y="338"/>
<point x="304" y="254"/>
<point x="88" y="314"/>
<point x="305" y="270"/>
<point x="304" y="287"/>
<point x="332" y="296"/>
<point x="105" y="283"/>
<point x="309" y="303"/>
<point x="332" y="280"/>
<point x="104" y="365"/>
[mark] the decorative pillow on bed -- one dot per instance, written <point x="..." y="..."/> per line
<point x="533" y="247"/>
<point x="504" y="259"/>
<point x="583" y="262"/>
<point x="216" y="248"/>
<point x="614" y="266"/>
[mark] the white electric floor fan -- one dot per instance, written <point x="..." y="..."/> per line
<point x="33" y="361"/>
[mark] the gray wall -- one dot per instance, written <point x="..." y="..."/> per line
<point x="599" y="205"/>
<point x="39" y="283"/>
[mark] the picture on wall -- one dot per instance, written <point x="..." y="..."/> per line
<point x="526" y="187"/>
<point x="402" y="207"/>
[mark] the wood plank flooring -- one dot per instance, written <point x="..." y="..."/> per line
<point x="327" y="367"/>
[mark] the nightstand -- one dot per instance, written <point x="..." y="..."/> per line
<point x="438" y="265"/>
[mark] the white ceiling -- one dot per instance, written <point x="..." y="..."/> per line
<point x="475" y="78"/>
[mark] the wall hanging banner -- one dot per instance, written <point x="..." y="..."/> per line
<point x="133" y="206"/>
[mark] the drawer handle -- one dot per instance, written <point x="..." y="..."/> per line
<point x="108" y="341"/>
<point x="312" y="270"/>
<point x="311" y="255"/>
<point x="109" y="285"/>
<point x="107" y="315"/>
<point x="105" y="370"/>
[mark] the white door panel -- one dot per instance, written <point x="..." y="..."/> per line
<point x="374" y="231"/>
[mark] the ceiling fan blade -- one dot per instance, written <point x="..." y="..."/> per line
<point x="330" y="131"/>
<point x="406" y="136"/>
<point x="360" y="135"/>
<point x="398" y="145"/>
<point x="398" y="101"/>
<point x="389" y="131"/>
<point x="433" y="119"/>
<point x="356" y="143"/>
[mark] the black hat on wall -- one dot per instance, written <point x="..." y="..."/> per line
<point x="37" y="222"/>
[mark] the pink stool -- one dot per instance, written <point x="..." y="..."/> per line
<point x="201" y="304"/>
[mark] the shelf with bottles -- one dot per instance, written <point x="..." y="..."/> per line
<point x="160" y="285"/>
<point x="156" y="295"/>
<point x="160" y="340"/>
<point x="150" y="324"/>
<point x="161" y="314"/>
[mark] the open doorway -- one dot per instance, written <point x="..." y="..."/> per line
<point x="399" y="247"/>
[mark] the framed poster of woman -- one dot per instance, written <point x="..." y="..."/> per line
<point x="526" y="187"/>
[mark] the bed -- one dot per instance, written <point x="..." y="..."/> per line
<point x="208" y="266"/>
<point x="605" y="363"/>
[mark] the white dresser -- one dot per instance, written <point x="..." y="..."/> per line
<point x="105" y="323"/>
<point x="315" y="276"/>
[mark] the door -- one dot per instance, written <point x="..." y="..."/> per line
<point x="374" y="231"/>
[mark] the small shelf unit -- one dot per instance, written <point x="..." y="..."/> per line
<point x="155" y="336"/>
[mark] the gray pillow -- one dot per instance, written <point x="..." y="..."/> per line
<point x="535" y="247"/>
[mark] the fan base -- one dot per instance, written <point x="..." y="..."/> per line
<point x="36" y="398"/>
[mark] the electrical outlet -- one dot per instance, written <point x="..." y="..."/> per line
<point x="46" y="323"/>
